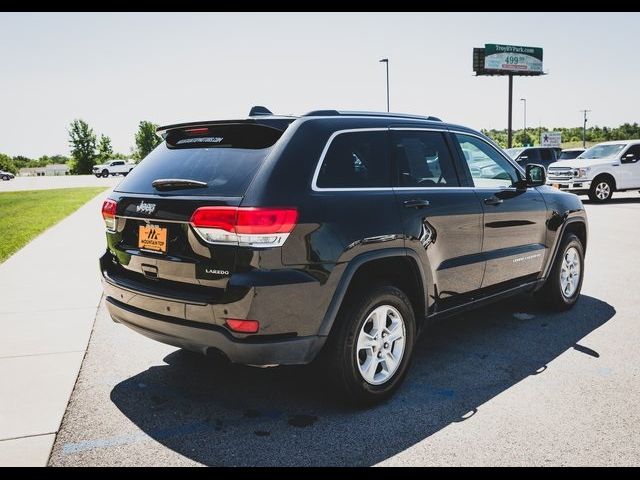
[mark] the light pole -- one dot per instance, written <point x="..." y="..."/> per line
<point x="584" y="129"/>
<point x="525" y="115"/>
<point x="386" y="62"/>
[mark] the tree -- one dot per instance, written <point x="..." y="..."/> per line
<point x="6" y="164"/>
<point x="523" y="139"/>
<point x="498" y="136"/>
<point x="21" y="162"/>
<point x="59" y="159"/>
<point x="82" y="141"/>
<point x="105" y="150"/>
<point x="43" y="161"/>
<point x="146" y="139"/>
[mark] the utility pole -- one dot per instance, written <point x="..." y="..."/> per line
<point x="584" y="129"/>
<point x="386" y="62"/>
<point x="525" y="116"/>
<point x="509" y="129"/>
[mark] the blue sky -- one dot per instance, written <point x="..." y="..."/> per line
<point x="114" y="70"/>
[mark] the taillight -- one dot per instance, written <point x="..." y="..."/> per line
<point x="242" y="326"/>
<point x="245" y="226"/>
<point x="197" y="131"/>
<point x="109" y="214"/>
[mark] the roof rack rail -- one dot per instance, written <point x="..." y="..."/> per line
<point x="333" y="113"/>
<point x="322" y="113"/>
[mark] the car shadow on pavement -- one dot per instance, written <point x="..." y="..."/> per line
<point x="220" y="414"/>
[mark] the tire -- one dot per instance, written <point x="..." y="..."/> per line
<point x="105" y="173"/>
<point x="555" y="294"/>
<point x="98" y="175"/>
<point x="346" y="364"/>
<point x="5" y="178"/>
<point x="601" y="190"/>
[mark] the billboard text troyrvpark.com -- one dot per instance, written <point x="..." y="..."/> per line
<point x="510" y="58"/>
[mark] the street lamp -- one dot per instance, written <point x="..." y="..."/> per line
<point x="525" y="115"/>
<point x="584" y="128"/>
<point x="386" y="62"/>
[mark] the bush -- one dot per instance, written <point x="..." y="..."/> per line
<point x="7" y="164"/>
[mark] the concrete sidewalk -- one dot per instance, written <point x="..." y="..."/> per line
<point x="49" y="292"/>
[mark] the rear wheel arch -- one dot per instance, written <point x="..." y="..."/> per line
<point x="398" y="267"/>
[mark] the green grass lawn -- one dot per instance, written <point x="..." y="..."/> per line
<point x="24" y="215"/>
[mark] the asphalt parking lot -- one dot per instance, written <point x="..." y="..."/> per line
<point x="509" y="384"/>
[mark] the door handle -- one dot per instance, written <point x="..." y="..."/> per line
<point x="415" y="203"/>
<point x="493" y="200"/>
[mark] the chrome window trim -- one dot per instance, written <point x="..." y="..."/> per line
<point x="316" y="172"/>
<point x="151" y="219"/>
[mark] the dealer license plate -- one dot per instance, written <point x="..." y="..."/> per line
<point x="152" y="238"/>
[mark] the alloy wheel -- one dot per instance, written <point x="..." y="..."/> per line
<point x="381" y="344"/>
<point x="603" y="190"/>
<point x="570" y="272"/>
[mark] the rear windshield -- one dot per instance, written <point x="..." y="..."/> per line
<point x="225" y="157"/>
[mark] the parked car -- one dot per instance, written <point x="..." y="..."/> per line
<point x="114" y="167"/>
<point x="534" y="155"/>
<point x="600" y="170"/>
<point x="335" y="236"/>
<point x="6" y="175"/>
<point x="570" y="153"/>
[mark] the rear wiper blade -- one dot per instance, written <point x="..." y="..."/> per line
<point x="177" y="184"/>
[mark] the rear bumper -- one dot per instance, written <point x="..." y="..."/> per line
<point x="196" y="322"/>
<point x="205" y="338"/>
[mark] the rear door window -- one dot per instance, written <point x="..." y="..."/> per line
<point x="356" y="160"/>
<point x="225" y="157"/>
<point x="423" y="160"/>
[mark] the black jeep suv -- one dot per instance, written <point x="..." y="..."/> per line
<point x="334" y="235"/>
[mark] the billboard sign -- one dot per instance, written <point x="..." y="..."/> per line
<point x="550" y="139"/>
<point x="512" y="58"/>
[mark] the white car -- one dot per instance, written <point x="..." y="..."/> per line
<point x="599" y="171"/>
<point x="114" y="167"/>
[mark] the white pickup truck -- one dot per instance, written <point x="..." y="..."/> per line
<point x="599" y="171"/>
<point x="114" y="167"/>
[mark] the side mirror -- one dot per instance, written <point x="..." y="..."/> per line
<point x="536" y="175"/>
<point x="629" y="158"/>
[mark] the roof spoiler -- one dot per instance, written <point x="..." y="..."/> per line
<point x="258" y="111"/>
